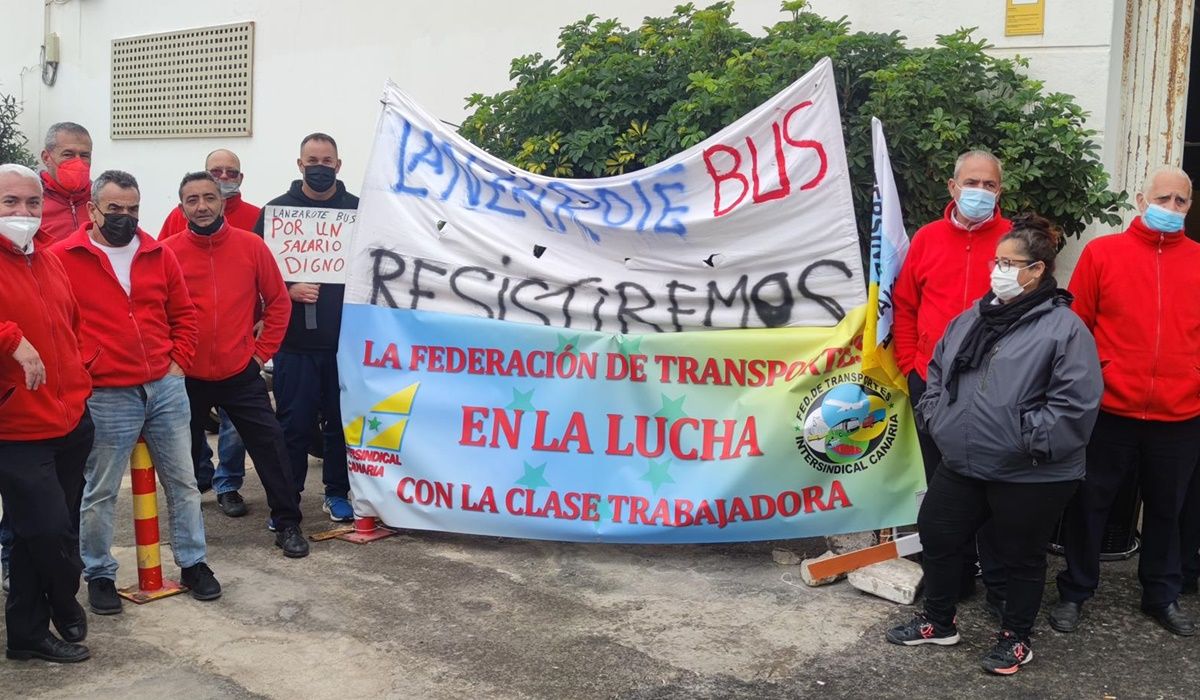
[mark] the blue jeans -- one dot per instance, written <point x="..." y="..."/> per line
<point x="158" y="411"/>
<point x="306" y="383"/>
<point x="231" y="455"/>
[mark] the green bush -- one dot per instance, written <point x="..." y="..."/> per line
<point x="12" y="141"/>
<point x="617" y="99"/>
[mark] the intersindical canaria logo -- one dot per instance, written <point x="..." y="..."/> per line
<point x="384" y="424"/>
<point x="845" y="425"/>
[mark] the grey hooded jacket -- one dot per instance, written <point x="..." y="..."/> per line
<point x="1026" y="413"/>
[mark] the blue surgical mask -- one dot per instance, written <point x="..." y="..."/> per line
<point x="1162" y="219"/>
<point x="976" y="203"/>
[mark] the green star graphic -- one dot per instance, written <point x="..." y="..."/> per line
<point x="373" y="423"/>
<point x="657" y="474"/>
<point x="567" y="345"/>
<point x="533" y="476"/>
<point x="628" y="346"/>
<point x="604" y="510"/>
<point x="672" y="409"/>
<point x="522" y="400"/>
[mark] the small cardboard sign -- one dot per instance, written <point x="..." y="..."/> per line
<point x="310" y="244"/>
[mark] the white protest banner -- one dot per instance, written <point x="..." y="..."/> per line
<point x="670" y="355"/>
<point x="752" y="228"/>
<point x="310" y="244"/>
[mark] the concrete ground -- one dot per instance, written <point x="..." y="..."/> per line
<point x="433" y="615"/>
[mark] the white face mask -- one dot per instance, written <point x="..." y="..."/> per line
<point x="20" y="230"/>
<point x="1005" y="285"/>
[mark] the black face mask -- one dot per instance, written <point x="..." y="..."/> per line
<point x="319" y="178"/>
<point x="210" y="229"/>
<point x="119" y="229"/>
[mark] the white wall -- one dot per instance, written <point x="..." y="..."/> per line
<point x="320" y="65"/>
<point x="1072" y="56"/>
<point x="1079" y="54"/>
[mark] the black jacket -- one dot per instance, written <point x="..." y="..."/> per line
<point x="1026" y="413"/>
<point x="324" y="337"/>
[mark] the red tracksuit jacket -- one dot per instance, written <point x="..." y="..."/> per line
<point x="62" y="212"/>
<point x="226" y="273"/>
<point x="36" y="304"/>
<point x="945" y="272"/>
<point x="1134" y="291"/>
<point x="138" y="335"/>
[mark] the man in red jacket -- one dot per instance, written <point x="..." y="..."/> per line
<point x="227" y="271"/>
<point x="66" y="184"/>
<point x="45" y="430"/>
<point x="945" y="272"/>
<point x="1132" y="291"/>
<point x="226" y="168"/>
<point x="67" y="178"/>
<point x="139" y="321"/>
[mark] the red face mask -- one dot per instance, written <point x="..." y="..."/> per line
<point x="74" y="174"/>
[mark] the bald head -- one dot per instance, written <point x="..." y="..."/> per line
<point x="226" y="168"/>
<point x="1167" y="186"/>
<point x="222" y="157"/>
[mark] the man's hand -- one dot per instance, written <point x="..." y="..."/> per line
<point x="29" y="359"/>
<point x="175" y="370"/>
<point x="304" y="292"/>
<point x="261" y="364"/>
<point x="258" y="329"/>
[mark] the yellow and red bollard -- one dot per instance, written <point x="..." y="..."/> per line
<point x="366" y="529"/>
<point x="151" y="585"/>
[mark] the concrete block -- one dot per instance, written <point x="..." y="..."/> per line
<point x="850" y="542"/>
<point x="809" y="580"/>
<point x="897" y="580"/>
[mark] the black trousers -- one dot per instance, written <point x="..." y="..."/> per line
<point x="982" y="547"/>
<point x="42" y="484"/>
<point x="1164" y="456"/>
<point x="954" y="509"/>
<point x="245" y="400"/>
<point x="1189" y="531"/>
<point x="306" y="383"/>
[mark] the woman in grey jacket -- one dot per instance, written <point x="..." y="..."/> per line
<point x="1014" y="389"/>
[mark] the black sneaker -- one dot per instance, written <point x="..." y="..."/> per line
<point x="292" y="541"/>
<point x="922" y="630"/>
<point x="50" y="649"/>
<point x="102" y="597"/>
<point x="1008" y="656"/>
<point x="199" y="578"/>
<point x="231" y="504"/>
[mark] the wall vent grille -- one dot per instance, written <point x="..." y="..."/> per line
<point x="187" y="84"/>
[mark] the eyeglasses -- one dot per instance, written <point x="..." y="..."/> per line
<point x="1006" y="263"/>
<point x="231" y="173"/>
